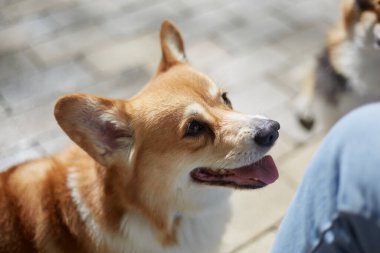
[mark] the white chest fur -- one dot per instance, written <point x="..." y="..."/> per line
<point x="200" y="232"/>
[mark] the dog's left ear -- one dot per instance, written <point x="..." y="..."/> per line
<point x="172" y="46"/>
<point x="100" y="126"/>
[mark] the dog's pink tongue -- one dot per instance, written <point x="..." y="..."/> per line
<point x="264" y="170"/>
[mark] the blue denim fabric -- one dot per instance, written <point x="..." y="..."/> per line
<point x="337" y="206"/>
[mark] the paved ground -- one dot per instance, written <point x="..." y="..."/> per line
<point x="258" y="50"/>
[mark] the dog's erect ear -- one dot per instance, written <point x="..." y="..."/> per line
<point x="172" y="46"/>
<point x="98" y="125"/>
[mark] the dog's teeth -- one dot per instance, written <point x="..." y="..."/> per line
<point x="218" y="172"/>
<point x="211" y="171"/>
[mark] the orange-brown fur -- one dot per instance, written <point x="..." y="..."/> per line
<point x="37" y="210"/>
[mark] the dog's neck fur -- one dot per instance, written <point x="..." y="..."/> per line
<point x="119" y="220"/>
<point x="102" y="195"/>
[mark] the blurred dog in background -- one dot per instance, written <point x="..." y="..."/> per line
<point x="347" y="72"/>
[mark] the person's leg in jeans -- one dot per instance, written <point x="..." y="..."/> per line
<point x="337" y="206"/>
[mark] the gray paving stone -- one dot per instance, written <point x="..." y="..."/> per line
<point x="293" y="74"/>
<point x="68" y="45"/>
<point x="105" y="8"/>
<point x="205" y="62"/>
<point x="21" y="34"/>
<point x="26" y="89"/>
<point x="252" y="11"/>
<point x="3" y="3"/>
<point x="10" y="134"/>
<point x="308" y="13"/>
<point x="11" y="64"/>
<point x="78" y="15"/>
<point x="142" y="20"/>
<point x="262" y="245"/>
<point x="116" y="56"/>
<point x="303" y="41"/>
<point x="252" y="34"/>
<point x="19" y="9"/>
<point x="53" y="141"/>
<point x="123" y="87"/>
<point x="293" y="166"/>
<point x="3" y="113"/>
<point x="259" y="97"/>
<point x="198" y="8"/>
<point x="208" y="24"/>
<point x="251" y="212"/>
<point x="4" y="108"/>
<point x="244" y="69"/>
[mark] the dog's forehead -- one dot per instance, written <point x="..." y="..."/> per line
<point x="185" y="82"/>
<point x="176" y="94"/>
<point x="173" y="97"/>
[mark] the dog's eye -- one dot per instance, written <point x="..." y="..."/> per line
<point x="226" y="100"/>
<point x="194" y="128"/>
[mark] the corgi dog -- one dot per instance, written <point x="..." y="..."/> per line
<point x="149" y="174"/>
<point x="346" y="73"/>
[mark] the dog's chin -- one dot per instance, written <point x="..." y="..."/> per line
<point x="251" y="176"/>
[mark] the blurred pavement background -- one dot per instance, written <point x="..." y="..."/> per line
<point x="258" y="50"/>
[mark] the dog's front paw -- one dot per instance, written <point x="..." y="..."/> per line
<point x="303" y="111"/>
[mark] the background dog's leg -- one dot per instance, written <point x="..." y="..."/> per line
<point x="304" y="102"/>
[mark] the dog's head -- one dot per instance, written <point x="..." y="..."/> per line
<point x="362" y="19"/>
<point x="178" y="139"/>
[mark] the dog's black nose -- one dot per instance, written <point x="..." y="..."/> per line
<point x="268" y="134"/>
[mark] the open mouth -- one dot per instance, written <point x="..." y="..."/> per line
<point x="253" y="176"/>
